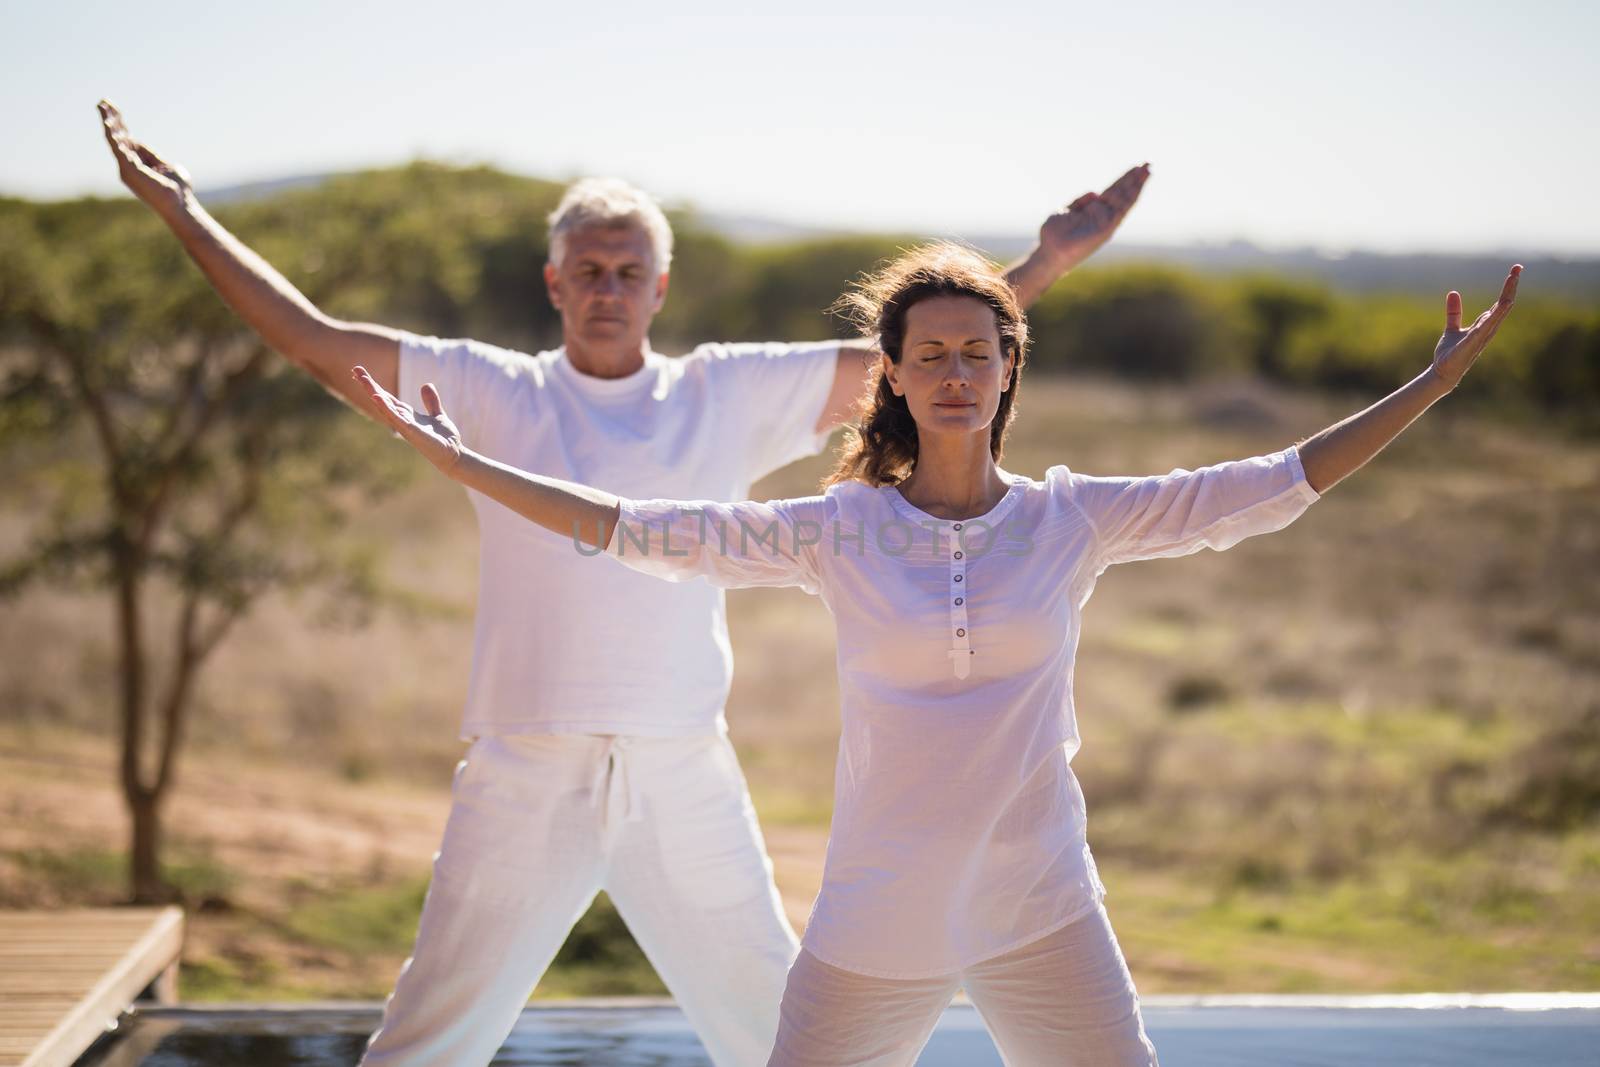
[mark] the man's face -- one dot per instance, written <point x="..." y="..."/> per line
<point x="607" y="287"/>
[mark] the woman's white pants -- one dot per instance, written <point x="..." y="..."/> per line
<point x="1065" y="1000"/>
<point x="538" y="824"/>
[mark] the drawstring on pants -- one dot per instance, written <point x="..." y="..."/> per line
<point x="614" y="789"/>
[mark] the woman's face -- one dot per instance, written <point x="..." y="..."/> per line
<point x="951" y="368"/>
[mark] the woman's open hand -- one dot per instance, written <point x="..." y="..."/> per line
<point x="1458" y="348"/>
<point x="431" y="433"/>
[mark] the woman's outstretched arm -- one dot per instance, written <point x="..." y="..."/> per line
<point x="1216" y="507"/>
<point x="731" y="545"/>
<point x="572" y="510"/>
<point x="1343" y="448"/>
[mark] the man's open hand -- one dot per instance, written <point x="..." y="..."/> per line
<point x="152" y="179"/>
<point x="1072" y="234"/>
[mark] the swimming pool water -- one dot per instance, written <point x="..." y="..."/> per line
<point x="1187" y="1033"/>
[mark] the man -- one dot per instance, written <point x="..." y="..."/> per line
<point x="599" y="757"/>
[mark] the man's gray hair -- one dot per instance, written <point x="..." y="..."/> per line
<point x="609" y="202"/>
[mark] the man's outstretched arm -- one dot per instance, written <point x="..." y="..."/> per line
<point x="325" y="347"/>
<point x="1073" y="234"/>
<point x="1066" y="239"/>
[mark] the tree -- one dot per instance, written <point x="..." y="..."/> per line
<point x="180" y="466"/>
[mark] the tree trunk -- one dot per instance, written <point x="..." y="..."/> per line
<point x="145" y="855"/>
<point x="144" y="803"/>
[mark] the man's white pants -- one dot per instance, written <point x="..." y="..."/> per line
<point x="539" y="823"/>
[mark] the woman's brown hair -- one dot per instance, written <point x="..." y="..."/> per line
<point x="881" y="449"/>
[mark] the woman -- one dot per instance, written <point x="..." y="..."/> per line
<point x="957" y="853"/>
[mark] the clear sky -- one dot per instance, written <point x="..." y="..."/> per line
<point x="1392" y="125"/>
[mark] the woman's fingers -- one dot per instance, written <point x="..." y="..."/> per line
<point x="1508" y="291"/>
<point x="381" y="400"/>
<point x="1502" y="307"/>
<point x="1489" y="321"/>
<point x="1461" y="348"/>
<point x="430" y="400"/>
<point x="401" y="417"/>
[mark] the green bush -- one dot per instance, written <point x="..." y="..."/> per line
<point x="461" y="252"/>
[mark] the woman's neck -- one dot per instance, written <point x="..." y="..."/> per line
<point x="955" y="477"/>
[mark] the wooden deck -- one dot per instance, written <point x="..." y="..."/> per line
<point x="67" y="975"/>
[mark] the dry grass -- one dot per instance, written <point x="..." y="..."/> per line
<point x="1350" y="755"/>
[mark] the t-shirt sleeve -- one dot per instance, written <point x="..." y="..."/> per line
<point x="773" y="395"/>
<point x="730" y="545"/>
<point x="471" y="378"/>
<point x="1182" y="512"/>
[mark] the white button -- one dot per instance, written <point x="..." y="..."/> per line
<point x="958" y="577"/>
<point x="958" y="555"/>
<point x="959" y="600"/>
<point x="961" y="633"/>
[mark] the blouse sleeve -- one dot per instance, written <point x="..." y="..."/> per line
<point x="730" y="545"/>
<point x="1184" y="511"/>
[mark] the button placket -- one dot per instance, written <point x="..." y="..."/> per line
<point x="961" y="651"/>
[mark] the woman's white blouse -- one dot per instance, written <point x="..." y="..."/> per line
<point x="958" y="826"/>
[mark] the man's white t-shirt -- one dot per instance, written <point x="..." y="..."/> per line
<point x="567" y="643"/>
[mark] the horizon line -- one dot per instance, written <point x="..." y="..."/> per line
<point x="786" y="229"/>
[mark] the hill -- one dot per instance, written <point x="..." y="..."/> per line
<point x="1421" y="273"/>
